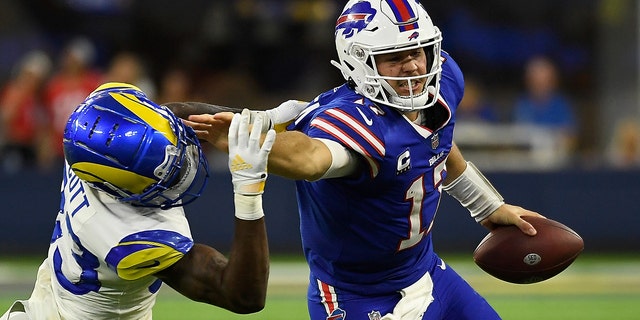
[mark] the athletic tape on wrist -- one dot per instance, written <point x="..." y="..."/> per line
<point x="248" y="207"/>
<point x="250" y="189"/>
<point x="475" y="192"/>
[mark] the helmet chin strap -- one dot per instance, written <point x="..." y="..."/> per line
<point x="412" y="102"/>
<point x="409" y="103"/>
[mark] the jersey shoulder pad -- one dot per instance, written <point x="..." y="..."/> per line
<point x="452" y="81"/>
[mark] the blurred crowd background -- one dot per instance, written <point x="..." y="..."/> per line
<point x="549" y="84"/>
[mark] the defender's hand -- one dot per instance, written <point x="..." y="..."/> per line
<point x="247" y="159"/>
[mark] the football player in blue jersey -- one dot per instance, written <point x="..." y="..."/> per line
<point x="371" y="159"/>
<point x="130" y="166"/>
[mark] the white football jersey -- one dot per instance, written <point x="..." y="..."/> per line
<point x="103" y="254"/>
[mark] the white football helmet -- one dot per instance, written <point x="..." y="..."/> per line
<point x="374" y="27"/>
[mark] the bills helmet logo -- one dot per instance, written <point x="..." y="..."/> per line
<point x="355" y="19"/>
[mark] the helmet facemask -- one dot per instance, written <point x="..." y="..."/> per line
<point x="415" y="100"/>
<point x="188" y="178"/>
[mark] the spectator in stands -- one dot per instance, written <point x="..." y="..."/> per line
<point x="544" y="104"/>
<point x="21" y="113"/>
<point x="474" y="106"/>
<point x="73" y="81"/>
<point x="127" y="67"/>
<point x="623" y="151"/>
<point x="175" y="85"/>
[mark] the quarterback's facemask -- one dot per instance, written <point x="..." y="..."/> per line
<point x="122" y="143"/>
<point x="369" y="28"/>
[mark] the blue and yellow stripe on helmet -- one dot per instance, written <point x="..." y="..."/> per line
<point x="146" y="114"/>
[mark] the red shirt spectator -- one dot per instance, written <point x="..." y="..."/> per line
<point x="68" y="88"/>
<point x="21" y="114"/>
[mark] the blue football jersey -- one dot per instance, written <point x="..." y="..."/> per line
<point x="370" y="232"/>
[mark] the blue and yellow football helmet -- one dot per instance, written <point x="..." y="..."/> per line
<point x="124" y="144"/>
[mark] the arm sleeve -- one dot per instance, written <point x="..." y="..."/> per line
<point x="343" y="160"/>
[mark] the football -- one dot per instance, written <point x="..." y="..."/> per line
<point x="512" y="256"/>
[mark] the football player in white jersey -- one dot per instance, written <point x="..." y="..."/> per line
<point x="121" y="230"/>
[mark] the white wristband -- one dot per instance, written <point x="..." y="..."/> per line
<point x="248" y="207"/>
<point x="475" y="193"/>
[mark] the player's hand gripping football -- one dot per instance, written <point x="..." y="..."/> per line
<point x="511" y="215"/>
<point x="247" y="159"/>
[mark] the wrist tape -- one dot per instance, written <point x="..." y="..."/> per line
<point x="248" y="207"/>
<point x="475" y="193"/>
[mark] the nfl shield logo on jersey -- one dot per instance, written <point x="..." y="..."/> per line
<point x="375" y="315"/>
<point x="435" y="140"/>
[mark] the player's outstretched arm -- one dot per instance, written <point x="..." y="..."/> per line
<point x="238" y="283"/>
<point x="299" y="157"/>
<point x="294" y="154"/>
<point x="465" y="183"/>
<point x="211" y="122"/>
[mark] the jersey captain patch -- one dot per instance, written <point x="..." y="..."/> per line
<point x="404" y="162"/>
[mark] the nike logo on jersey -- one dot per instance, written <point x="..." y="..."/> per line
<point x="368" y="121"/>
<point x="442" y="266"/>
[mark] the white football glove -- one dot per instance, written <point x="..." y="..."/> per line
<point x="279" y="117"/>
<point x="247" y="160"/>
<point x="248" y="164"/>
